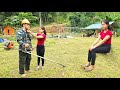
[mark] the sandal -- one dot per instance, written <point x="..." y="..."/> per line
<point x="87" y="69"/>
<point x="84" y="66"/>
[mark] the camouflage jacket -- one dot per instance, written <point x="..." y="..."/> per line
<point x="24" y="37"/>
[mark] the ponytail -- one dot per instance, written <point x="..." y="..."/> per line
<point x="109" y="27"/>
<point x="45" y="32"/>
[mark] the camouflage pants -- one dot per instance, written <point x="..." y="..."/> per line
<point x="24" y="62"/>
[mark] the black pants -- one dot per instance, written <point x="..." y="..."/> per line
<point x="104" y="48"/>
<point x="24" y="62"/>
<point x="40" y="52"/>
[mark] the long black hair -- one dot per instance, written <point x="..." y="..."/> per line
<point x="43" y="28"/>
<point x="106" y="22"/>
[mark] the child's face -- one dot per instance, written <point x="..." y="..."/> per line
<point x="40" y="30"/>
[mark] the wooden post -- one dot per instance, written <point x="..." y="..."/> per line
<point x="96" y="32"/>
<point x="40" y="17"/>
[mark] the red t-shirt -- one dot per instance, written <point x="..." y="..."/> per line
<point x="103" y="35"/>
<point x="40" y="41"/>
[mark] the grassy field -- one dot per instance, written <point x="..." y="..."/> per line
<point x="70" y="52"/>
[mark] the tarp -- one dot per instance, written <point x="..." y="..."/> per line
<point x="1" y="40"/>
<point x="96" y="26"/>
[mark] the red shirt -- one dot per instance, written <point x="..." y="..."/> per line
<point x="40" y="41"/>
<point x="103" y="35"/>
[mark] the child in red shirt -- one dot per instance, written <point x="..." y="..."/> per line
<point x="101" y="45"/>
<point x="41" y="37"/>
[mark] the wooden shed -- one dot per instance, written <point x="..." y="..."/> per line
<point x="8" y="30"/>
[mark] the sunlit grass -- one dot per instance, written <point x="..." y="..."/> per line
<point x="70" y="52"/>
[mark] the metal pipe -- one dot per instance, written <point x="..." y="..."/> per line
<point x="42" y="57"/>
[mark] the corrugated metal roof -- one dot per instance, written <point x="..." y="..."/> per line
<point x="96" y="26"/>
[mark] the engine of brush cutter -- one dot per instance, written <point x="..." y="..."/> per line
<point x="8" y="45"/>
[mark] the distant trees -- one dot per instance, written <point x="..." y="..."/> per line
<point x="80" y="19"/>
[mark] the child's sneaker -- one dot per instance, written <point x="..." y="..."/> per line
<point x="37" y="68"/>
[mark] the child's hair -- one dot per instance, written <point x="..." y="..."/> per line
<point x="43" y="28"/>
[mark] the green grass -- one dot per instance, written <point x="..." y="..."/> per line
<point x="70" y="52"/>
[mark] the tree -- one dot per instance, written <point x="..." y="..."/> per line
<point x="109" y="15"/>
<point x="15" y="18"/>
<point x="81" y="19"/>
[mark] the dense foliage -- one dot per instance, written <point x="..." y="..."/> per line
<point x="75" y="19"/>
<point x="80" y="19"/>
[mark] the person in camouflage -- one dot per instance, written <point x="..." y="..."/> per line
<point x="24" y="41"/>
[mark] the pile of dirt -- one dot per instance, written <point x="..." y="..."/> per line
<point x="53" y="28"/>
